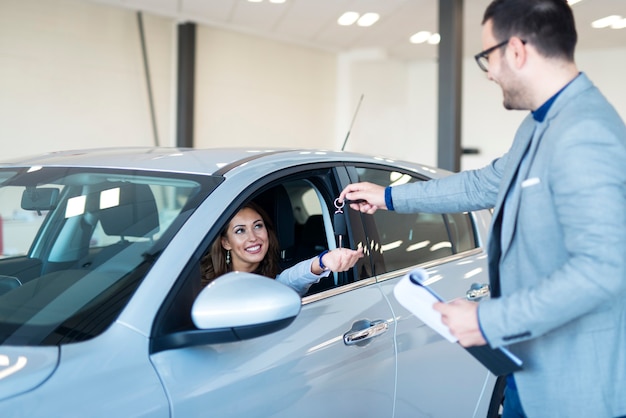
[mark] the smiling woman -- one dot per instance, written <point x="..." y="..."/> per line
<point x="249" y="244"/>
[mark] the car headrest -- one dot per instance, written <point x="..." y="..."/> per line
<point x="278" y="206"/>
<point x="134" y="212"/>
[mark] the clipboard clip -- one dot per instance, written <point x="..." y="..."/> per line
<point x="477" y="291"/>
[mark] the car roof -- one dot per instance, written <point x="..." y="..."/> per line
<point x="208" y="161"/>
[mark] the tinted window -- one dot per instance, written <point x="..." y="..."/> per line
<point x="406" y="240"/>
<point x="462" y="231"/>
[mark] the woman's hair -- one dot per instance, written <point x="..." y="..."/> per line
<point x="546" y="24"/>
<point x="214" y="262"/>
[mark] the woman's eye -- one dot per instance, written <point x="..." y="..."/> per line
<point x="239" y="231"/>
<point x="259" y="226"/>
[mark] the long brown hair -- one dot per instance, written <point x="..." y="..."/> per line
<point x="214" y="262"/>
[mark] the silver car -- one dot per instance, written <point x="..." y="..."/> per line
<point x="102" y="311"/>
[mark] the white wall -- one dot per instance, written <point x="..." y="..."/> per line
<point x="399" y="112"/>
<point x="256" y="92"/>
<point x="71" y="76"/>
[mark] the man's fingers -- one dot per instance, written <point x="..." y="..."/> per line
<point x="440" y="307"/>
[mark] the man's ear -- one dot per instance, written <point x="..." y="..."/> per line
<point x="520" y="53"/>
<point x="225" y="244"/>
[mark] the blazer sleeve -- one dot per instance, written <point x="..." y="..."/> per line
<point x="464" y="191"/>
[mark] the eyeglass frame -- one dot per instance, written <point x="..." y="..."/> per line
<point x="485" y="54"/>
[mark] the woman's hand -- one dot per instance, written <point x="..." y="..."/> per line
<point x="339" y="259"/>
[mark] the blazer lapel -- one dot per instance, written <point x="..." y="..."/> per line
<point x="512" y="203"/>
<point x="519" y="148"/>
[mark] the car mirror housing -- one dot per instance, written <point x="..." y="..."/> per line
<point x="234" y="307"/>
<point x="243" y="300"/>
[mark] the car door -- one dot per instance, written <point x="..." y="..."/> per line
<point x="435" y="377"/>
<point x="336" y="359"/>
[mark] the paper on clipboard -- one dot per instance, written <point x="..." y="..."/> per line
<point x="420" y="299"/>
<point x="414" y="294"/>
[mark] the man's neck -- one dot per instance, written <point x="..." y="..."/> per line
<point x="554" y="76"/>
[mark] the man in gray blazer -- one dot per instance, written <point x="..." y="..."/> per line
<point x="557" y="249"/>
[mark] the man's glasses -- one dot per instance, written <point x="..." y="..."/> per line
<point x="482" y="58"/>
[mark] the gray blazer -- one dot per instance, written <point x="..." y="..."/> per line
<point x="558" y="278"/>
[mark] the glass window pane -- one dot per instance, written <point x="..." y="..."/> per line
<point x="461" y="231"/>
<point x="406" y="240"/>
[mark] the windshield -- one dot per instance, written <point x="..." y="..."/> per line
<point x="75" y="244"/>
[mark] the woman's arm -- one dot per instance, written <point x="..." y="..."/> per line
<point x="302" y="275"/>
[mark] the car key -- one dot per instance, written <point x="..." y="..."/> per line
<point x="339" y="222"/>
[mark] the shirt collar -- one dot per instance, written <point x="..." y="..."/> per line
<point x="540" y="114"/>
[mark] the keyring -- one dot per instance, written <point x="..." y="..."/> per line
<point x="339" y="207"/>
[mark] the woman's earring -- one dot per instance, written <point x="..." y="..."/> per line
<point x="227" y="257"/>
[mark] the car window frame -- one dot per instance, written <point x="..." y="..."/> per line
<point x="180" y="298"/>
<point x="372" y="229"/>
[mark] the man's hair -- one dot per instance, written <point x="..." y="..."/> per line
<point x="546" y="24"/>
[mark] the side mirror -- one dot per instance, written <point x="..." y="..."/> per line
<point x="234" y="307"/>
<point x="244" y="300"/>
<point x="42" y="198"/>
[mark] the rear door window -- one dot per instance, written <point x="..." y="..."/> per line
<point x="406" y="240"/>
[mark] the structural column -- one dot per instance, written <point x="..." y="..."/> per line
<point x="450" y="84"/>
<point x="185" y="84"/>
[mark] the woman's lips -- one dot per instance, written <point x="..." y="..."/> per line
<point x="254" y="249"/>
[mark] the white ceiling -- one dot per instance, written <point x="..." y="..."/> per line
<point x="313" y="22"/>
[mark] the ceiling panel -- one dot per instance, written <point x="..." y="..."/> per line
<point x="306" y="19"/>
<point x="257" y="16"/>
<point x="313" y="22"/>
<point x="218" y="11"/>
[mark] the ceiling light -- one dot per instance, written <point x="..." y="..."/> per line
<point x="348" y="18"/>
<point x="605" y="22"/>
<point x="434" y="39"/>
<point x="368" y="19"/>
<point x="420" y="37"/>
<point x="620" y="24"/>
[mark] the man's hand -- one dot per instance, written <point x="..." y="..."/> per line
<point x="461" y="317"/>
<point x="364" y="197"/>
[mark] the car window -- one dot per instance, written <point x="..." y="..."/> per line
<point x="461" y="230"/>
<point x="301" y="209"/>
<point x="406" y="240"/>
<point x="302" y="212"/>
<point x="78" y="241"/>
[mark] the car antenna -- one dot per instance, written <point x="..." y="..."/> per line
<point x="345" y="141"/>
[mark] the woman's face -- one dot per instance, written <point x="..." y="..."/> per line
<point x="247" y="240"/>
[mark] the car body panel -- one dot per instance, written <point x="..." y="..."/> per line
<point x="110" y="375"/>
<point x="419" y="344"/>
<point x="394" y="367"/>
<point x="306" y="367"/>
<point x="25" y="368"/>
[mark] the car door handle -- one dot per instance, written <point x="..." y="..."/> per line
<point x="477" y="291"/>
<point x="364" y="330"/>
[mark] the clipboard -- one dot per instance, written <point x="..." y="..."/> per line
<point x="415" y="295"/>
